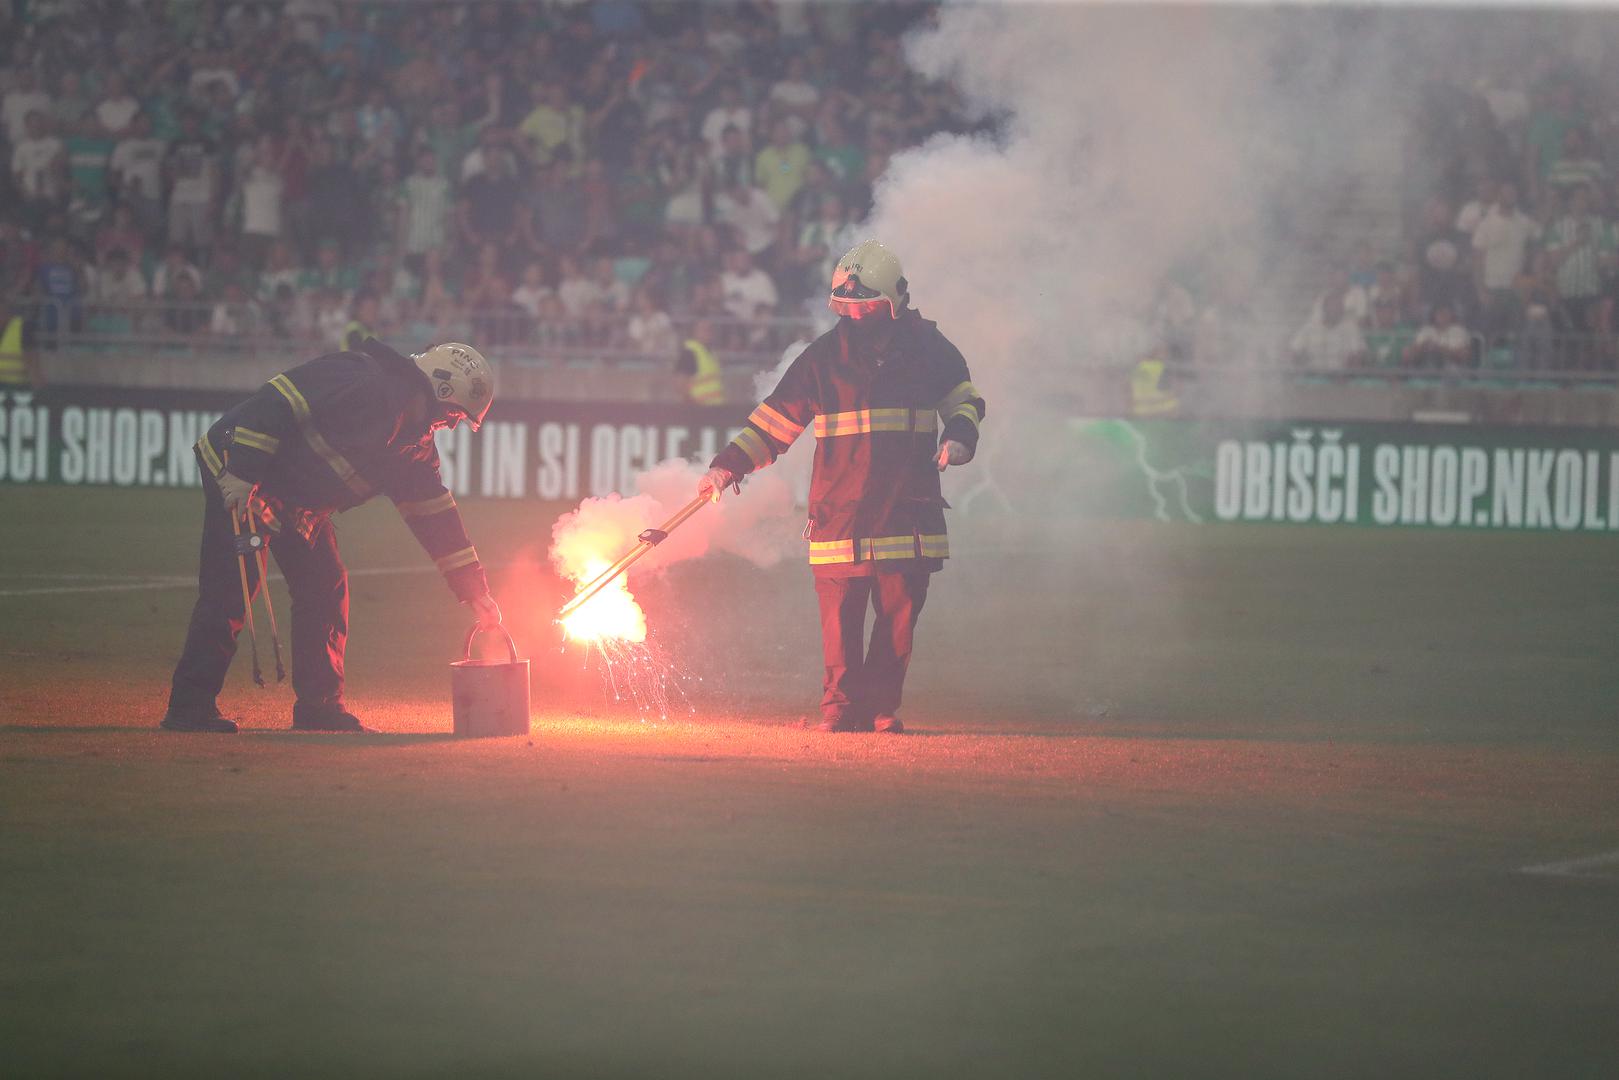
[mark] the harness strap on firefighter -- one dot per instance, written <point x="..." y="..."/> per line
<point x="317" y="442"/>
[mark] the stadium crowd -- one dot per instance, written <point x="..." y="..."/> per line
<point x="445" y="170"/>
<point x="628" y="173"/>
<point x="1510" y="259"/>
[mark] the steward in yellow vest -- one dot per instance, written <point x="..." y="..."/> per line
<point x="14" y="359"/>
<point x="706" y="385"/>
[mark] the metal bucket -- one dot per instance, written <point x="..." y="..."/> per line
<point x="490" y="696"/>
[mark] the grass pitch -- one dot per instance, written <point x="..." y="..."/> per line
<point x="1181" y="801"/>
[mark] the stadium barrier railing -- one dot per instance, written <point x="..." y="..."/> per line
<point x="229" y="330"/>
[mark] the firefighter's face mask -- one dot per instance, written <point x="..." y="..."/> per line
<point x="857" y="301"/>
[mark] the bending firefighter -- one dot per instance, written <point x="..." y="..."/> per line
<point x="892" y="405"/>
<point x="322" y="437"/>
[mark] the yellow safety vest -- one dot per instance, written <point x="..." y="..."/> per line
<point x="1147" y="395"/>
<point x="707" y="386"/>
<point x="12" y="368"/>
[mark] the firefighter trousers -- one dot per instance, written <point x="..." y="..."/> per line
<point x="319" y="587"/>
<point x="863" y="682"/>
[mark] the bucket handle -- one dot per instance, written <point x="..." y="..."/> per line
<point x="511" y="645"/>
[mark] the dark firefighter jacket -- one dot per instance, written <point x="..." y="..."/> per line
<point x="329" y="434"/>
<point x="875" y="504"/>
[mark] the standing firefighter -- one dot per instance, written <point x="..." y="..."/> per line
<point x="877" y="387"/>
<point x="322" y="437"/>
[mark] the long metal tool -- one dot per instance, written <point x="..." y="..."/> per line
<point x="269" y="605"/>
<point x="247" y="597"/>
<point x="649" y="539"/>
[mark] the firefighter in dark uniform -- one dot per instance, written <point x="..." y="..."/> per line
<point x="892" y="404"/>
<point x="319" y="438"/>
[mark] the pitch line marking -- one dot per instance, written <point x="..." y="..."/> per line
<point x="1580" y="868"/>
<point x="191" y="582"/>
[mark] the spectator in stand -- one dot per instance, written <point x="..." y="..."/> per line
<point x="120" y="232"/>
<point x="1354" y="297"/>
<point x="1442" y="343"/>
<point x="532" y="291"/>
<point x="780" y="167"/>
<point x="117" y="109"/>
<point x="424" y="208"/>
<point x="1577" y="165"/>
<point x="1581" y="249"/>
<point x="840" y="152"/>
<point x="136" y="175"/>
<point x="616" y="293"/>
<point x="1387" y="331"/>
<point x="119" y="280"/>
<point x="794" y="98"/>
<point x="821" y="241"/>
<point x="728" y="112"/>
<point x="236" y="314"/>
<point x="71" y="107"/>
<point x="561" y="208"/>
<point x="166" y="278"/>
<point x="577" y="291"/>
<point x="24" y="96"/>
<point x="186" y="313"/>
<point x="1445" y="271"/>
<point x="191" y="170"/>
<point x="279" y="269"/>
<point x="749" y="213"/>
<point x="748" y="290"/>
<point x="335" y="201"/>
<point x="734" y="163"/>
<point x="1331" y="340"/>
<point x="1473" y="211"/>
<point x="330" y="272"/>
<point x="1555" y="111"/>
<point x="651" y="331"/>
<point x="638" y="196"/>
<point x="1544" y="321"/>
<point x="1500" y="247"/>
<point x="39" y="169"/>
<point x="259" y="198"/>
<point x="488" y="201"/>
<point x="553" y="124"/>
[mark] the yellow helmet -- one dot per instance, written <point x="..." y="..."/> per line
<point x="461" y="377"/>
<point x="865" y="279"/>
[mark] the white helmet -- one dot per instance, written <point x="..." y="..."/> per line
<point x="865" y="279"/>
<point x="460" y="377"/>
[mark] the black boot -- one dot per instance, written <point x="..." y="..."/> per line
<point x="329" y="717"/>
<point x="197" y="718"/>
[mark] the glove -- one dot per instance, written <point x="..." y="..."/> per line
<point x="952" y="453"/>
<point x="486" y="611"/>
<point x="714" y="483"/>
<point x="237" y="493"/>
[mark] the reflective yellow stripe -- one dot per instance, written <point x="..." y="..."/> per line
<point x="258" y="440"/>
<point x="209" y="457"/>
<point x="775" y="424"/>
<point x="877" y="548"/>
<point x="754" y="446"/>
<point x="425" y="507"/>
<point x="465" y="557"/>
<point x="317" y="442"/>
<point x="963" y="393"/>
<point x="969" y="411"/>
<point x="866" y="421"/>
<point x="831" y="551"/>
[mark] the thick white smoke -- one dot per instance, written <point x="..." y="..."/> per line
<point x="1133" y="142"/>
